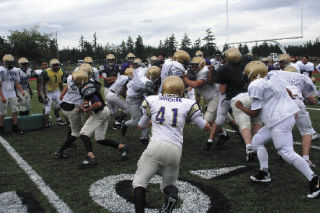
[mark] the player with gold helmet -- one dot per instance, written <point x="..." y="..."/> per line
<point x="129" y="62"/>
<point x="9" y="79"/>
<point x="110" y="71"/>
<point x="24" y="75"/>
<point x="52" y="79"/>
<point x="95" y="75"/>
<point x="270" y="99"/>
<point x="168" y="114"/>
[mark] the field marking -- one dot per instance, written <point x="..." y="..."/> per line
<point x="11" y="202"/>
<point x="212" y="173"/>
<point x="53" y="198"/>
<point x="310" y="108"/>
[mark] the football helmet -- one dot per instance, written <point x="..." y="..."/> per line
<point x="54" y="61"/>
<point x="88" y="60"/>
<point x="88" y="90"/>
<point x="173" y="85"/>
<point x="110" y="59"/>
<point x="255" y="70"/>
<point x="290" y="69"/>
<point x="80" y="77"/>
<point x="87" y="68"/>
<point x="233" y="55"/>
<point x="199" y="53"/>
<point x="199" y="62"/>
<point x="23" y="63"/>
<point x="182" y="56"/>
<point x="130" y="57"/>
<point x="137" y="62"/>
<point x="154" y="58"/>
<point x="285" y="59"/>
<point x="265" y="59"/>
<point x="153" y="73"/>
<point x="129" y="72"/>
<point x="7" y="58"/>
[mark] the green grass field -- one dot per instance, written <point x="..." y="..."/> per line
<point x="230" y="192"/>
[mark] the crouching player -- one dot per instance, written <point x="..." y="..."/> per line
<point x="168" y="114"/>
<point x="270" y="98"/>
<point x="98" y="121"/>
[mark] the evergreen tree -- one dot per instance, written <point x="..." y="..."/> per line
<point x="209" y="46"/>
<point x="130" y="45"/>
<point x="185" y="43"/>
<point x="139" y="47"/>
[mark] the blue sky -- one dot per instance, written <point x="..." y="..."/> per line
<point x="115" y="20"/>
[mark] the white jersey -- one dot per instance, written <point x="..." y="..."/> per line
<point x="295" y="65"/>
<point x="8" y="79"/>
<point x="137" y="86"/>
<point x="118" y="85"/>
<point x="318" y="67"/>
<point x="270" y="95"/>
<point x="300" y="85"/>
<point x="24" y="78"/>
<point x="305" y="68"/>
<point x="216" y="63"/>
<point x="170" y="68"/>
<point x="169" y="114"/>
<point x="73" y="94"/>
<point x="207" y="90"/>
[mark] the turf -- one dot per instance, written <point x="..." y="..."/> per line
<point x="228" y="193"/>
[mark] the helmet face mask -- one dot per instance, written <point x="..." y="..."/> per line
<point x="197" y="63"/>
<point x="55" y="64"/>
<point x="8" y="61"/>
<point x="110" y="59"/>
<point x="130" y="57"/>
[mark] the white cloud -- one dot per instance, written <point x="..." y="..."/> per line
<point x="115" y="20"/>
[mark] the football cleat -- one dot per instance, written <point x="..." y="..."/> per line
<point x="124" y="152"/>
<point x="48" y="125"/>
<point x="249" y="154"/>
<point x="222" y="140"/>
<point x="315" y="136"/>
<point x="310" y="164"/>
<point x="116" y="125"/>
<point x="144" y="141"/>
<point x="168" y="206"/>
<point x="207" y="147"/>
<point x="61" y="123"/>
<point x="89" y="162"/>
<point x="261" y="176"/>
<point x="124" y="128"/>
<point x="314" y="188"/>
<point x="59" y="155"/>
<point x="18" y="131"/>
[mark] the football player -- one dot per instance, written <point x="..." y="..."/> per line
<point x="140" y="86"/>
<point x="229" y="76"/>
<point x="285" y="60"/>
<point x="168" y="113"/>
<point x="9" y="79"/>
<point x="129" y="61"/>
<point x="70" y="104"/>
<point x="208" y="89"/>
<point x="98" y="122"/>
<point x="95" y="71"/>
<point x="52" y="81"/>
<point x="115" y="92"/>
<point x="110" y="72"/>
<point x="270" y="98"/>
<point x="306" y="67"/>
<point x="24" y="74"/>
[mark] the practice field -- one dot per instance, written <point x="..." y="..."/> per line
<point x="34" y="181"/>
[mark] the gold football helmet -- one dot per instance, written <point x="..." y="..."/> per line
<point x="129" y="72"/>
<point x="153" y="73"/>
<point x="110" y="57"/>
<point x="80" y="77"/>
<point x="173" y="85"/>
<point x="137" y="61"/>
<point x="265" y="59"/>
<point x="23" y="60"/>
<point x="255" y="70"/>
<point x="199" y="53"/>
<point x="130" y="57"/>
<point x="54" y="62"/>
<point x="88" y="60"/>
<point x="8" y="58"/>
<point x="199" y="61"/>
<point x="285" y="59"/>
<point x="154" y="58"/>
<point x="290" y="69"/>
<point x="233" y="55"/>
<point x="182" y="56"/>
<point x="86" y="68"/>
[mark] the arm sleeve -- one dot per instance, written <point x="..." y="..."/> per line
<point x="256" y="104"/>
<point x="146" y="115"/>
<point x="197" y="119"/>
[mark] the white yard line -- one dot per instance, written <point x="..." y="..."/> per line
<point x="36" y="179"/>
<point x="310" y="108"/>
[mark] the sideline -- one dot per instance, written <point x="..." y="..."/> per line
<point x="53" y="198"/>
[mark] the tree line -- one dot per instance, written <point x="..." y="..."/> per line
<point x="38" y="47"/>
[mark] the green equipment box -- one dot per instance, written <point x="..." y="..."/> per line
<point x="25" y="123"/>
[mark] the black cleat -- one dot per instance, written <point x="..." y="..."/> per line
<point x="123" y="129"/>
<point x="207" y="147"/>
<point x="59" y="155"/>
<point x="222" y="140"/>
<point x="89" y="162"/>
<point x="116" y="125"/>
<point x="261" y="176"/>
<point x="124" y="152"/>
<point x="61" y="123"/>
<point x="144" y="141"/>
<point x="18" y="131"/>
<point x="314" y="188"/>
